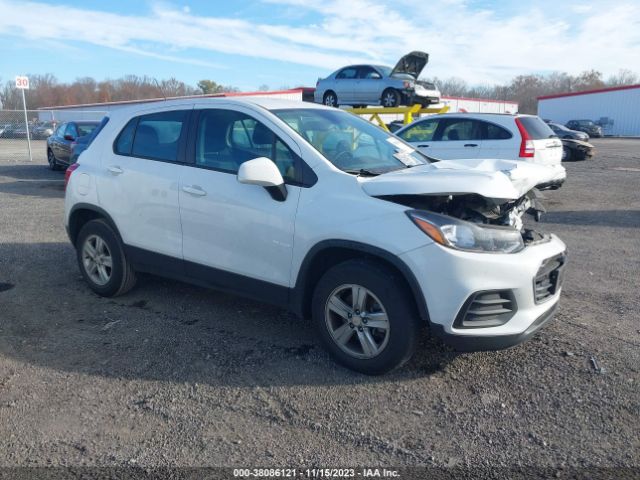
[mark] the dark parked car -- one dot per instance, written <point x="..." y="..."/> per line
<point x="586" y="126"/>
<point x="563" y="132"/>
<point x="59" y="145"/>
<point x="573" y="150"/>
<point x="14" y="131"/>
<point x="43" y="130"/>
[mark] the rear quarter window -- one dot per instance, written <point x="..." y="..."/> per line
<point x="536" y="128"/>
<point x="494" y="132"/>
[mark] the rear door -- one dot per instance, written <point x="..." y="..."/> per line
<point x="345" y="85"/>
<point x="548" y="148"/>
<point x="368" y="85"/>
<point x="498" y="142"/>
<point x="139" y="185"/>
<point x="457" y="138"/>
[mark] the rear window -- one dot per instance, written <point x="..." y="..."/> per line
<point x="536" y="128"/>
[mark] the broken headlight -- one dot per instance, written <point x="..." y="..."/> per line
<point x="471" y="237"/>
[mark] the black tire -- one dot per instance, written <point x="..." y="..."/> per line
<point x="567" y="154"/>
<point x="51" y="159"/>
<point x="394" y="298"/>
<point x="330" y="99"/>
<point x="390" y="98"/>
<point x="122" y="276"/>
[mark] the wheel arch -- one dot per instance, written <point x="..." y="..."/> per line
<point x="328" y="253"/>
<point x="82" y="213"/>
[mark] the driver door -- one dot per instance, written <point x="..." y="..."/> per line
<point x="236" y="236"/>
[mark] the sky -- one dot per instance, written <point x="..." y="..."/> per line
<point x="280" y="43"/>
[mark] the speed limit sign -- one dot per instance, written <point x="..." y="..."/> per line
<point x="22" y="83"/>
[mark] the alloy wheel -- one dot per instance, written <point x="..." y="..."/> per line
<point x="357" y="321"/>
<point x="97" y="260"/>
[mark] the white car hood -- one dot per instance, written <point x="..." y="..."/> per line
<point x="490" y="178"/>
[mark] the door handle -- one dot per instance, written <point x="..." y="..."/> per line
<point x="470" y="144"/>
<point x="194" y="190"/>
<point x="423" y="146"/>
<point x="114" y="169"/>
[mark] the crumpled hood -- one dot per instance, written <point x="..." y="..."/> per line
<point x="490" y="178"/>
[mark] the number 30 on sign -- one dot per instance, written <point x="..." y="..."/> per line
<point x="22" y="82"/>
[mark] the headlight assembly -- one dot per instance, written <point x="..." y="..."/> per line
<point x="470" y="237"/>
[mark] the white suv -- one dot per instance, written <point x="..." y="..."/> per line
<point x="452" y="136"/>
<point x="316" y="210"/>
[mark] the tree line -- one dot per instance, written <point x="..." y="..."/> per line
<point x="47" y="91"/>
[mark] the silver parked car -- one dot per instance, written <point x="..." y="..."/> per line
<point x="379" y="85"/>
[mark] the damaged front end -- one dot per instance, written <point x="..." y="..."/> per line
<point x="475" y="223"/>
<point x="457" y="202"/>
<point x="476" y="208"/>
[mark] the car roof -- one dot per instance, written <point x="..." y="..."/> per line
<point x="266" y="103"/>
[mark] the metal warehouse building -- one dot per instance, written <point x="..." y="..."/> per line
<point x="616" y="109"/>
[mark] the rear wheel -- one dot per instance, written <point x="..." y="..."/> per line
<point x="390" y="98"/>
<point x="102" y="260"/>
<point x="330" y="99"/>
<point x="365" y="316"/>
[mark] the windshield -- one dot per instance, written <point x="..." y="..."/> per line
<point x="350" y="143"/>
<point x="386" y="71"/>
<point x="586" y="123"/>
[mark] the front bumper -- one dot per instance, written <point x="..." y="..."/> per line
<point x="448" y="277"/>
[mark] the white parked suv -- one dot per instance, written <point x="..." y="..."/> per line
<point x="316" y="210"/>
<point x="453" y="136"/>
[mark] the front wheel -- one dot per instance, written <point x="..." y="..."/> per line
<point x="51" y="159"/>
<point x="365" y="316"/>
<point x="102" y="261"/>
<point x="390" y="98"/>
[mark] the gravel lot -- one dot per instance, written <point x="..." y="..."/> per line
<point x="175" y="375"/>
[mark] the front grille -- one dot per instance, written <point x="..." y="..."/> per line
<point x="490" y="308"/>
<point x="548" y="280"/>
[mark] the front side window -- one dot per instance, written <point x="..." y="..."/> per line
<point x="350" y="143"/>
<point x="71" y="130"/>
<point x="420" y="131"/>
<point x="369" y="73"/>
<point x="226" y="139"/>
<point x="347" y="74"/>
<point x="86" y="128"/>
<point x="60" y="130"/>
<point x="157" y="135"/>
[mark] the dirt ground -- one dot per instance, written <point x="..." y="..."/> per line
<point x="173" y="375"/>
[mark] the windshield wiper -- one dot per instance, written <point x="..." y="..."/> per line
<point x="362" y="172"/>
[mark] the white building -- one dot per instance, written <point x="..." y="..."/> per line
<point x="479" y="105"/>
<point x="616" y="109"/>
<point x="95" y="111"/>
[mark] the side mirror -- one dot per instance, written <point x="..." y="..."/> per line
<point x="263" y="172"/>
<point x="69" y="137"/>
